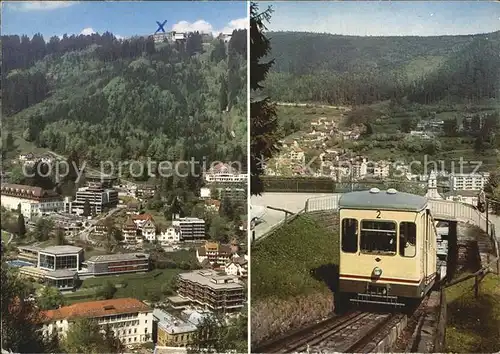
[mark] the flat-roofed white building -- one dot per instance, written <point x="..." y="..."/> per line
<point x="211" y="289"/>
<point x="60" y="257"/>
<point x="191" y="228"/>
<point x="118" y="263"/>
<point x="469" y="181"/>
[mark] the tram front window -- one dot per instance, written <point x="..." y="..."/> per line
<point x="378" y="237"/>
<point x="349" y="235"/>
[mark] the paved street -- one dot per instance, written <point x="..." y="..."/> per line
<point x="293" y="202"/>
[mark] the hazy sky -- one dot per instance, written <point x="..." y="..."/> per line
<point x="122" y="18"/>
<point x="384" y="18"/>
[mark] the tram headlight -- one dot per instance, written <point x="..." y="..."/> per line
<point x="377" y="271"/>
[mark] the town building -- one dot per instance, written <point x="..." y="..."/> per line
<point x="170" y="235"/>
<point x="212" y="290"/>
<point x="381" y="169"/>
<point x="469" y="181"/>
<point x="297" y="154"/>
<point x="214" y="252"/>
<point x="140" y="219"/>
<point x="130" y="319"/>
<point x="224" y="173"/>
<point x="233" y="194"/>
<point x="148" y="230"/>
<point x="34" y="201"/>
<point x="129" y="231"/>
<point x="28" y="254"/>
<point x="237" y="266"/>
<point x="145" y="191"/>
<point x="191" y="228"/>
<point x="56" y="266"/>
<point x="104" y="180"/>
<point x="98" y="196"/>
<point x="118" y="263"/>
<point x="171" y="331"/>
<point x="62" y="279"/>
<point x="60" y="257"/>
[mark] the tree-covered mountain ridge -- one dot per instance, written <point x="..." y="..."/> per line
<point x="324" y="51"/>
<point x="358" y="70"/>
<point x="112" y="99"/>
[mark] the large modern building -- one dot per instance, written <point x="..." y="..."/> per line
<point x="55" y="266"/>
<point x="34" y="201"/>
<point x="118" y="263"/>
<point x="60" y="257"/>
<point x="97" y="194"/>
<point x="130" y="319"/>
<point x="469" y="181"/>
<point x="212" y="290"/>
<point x="224" y="173"/>
<point x="105" y="181"/>
<point x="191" y="228"/>
<point x="233" y="194"/>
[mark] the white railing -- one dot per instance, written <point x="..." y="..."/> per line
<point x="445" y="209"/>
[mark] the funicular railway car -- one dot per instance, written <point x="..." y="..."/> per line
<point x="387" y="249"/>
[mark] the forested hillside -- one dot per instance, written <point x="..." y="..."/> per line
<point x="350" y="70"/>
<point x="111" y="99"/>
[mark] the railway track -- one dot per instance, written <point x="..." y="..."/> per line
<point x="355" y="332"/>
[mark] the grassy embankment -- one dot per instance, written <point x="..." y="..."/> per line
<point x="294" y="272"/>
<point x="474" y="324"/>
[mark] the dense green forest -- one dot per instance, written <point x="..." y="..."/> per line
<point x="351" y="70"/>
<point x="110" y="99"/>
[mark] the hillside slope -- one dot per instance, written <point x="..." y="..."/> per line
<point x="313" y="67"/>
<point x="119" y="100"/>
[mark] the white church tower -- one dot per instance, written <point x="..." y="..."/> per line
<point x="432" y="192"/>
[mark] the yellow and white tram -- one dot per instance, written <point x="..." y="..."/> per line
<point x="387" y="248"/>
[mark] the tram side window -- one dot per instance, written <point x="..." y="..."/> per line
<point x="407" y="239"/>
<point x="378" y="237"/>
<point x="349" y="235"/>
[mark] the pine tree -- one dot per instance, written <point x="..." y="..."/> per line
<point x="263" y="122"/>
<point x="21" y="226"/>
<point x="223" y="93"/>
<point x="86" y="208"/>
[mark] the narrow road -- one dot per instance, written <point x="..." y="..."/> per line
<point x="312" y="105"/>
<point x="85" y="233"/>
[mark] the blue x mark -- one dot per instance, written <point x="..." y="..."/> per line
<point x="160" y="26"/>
